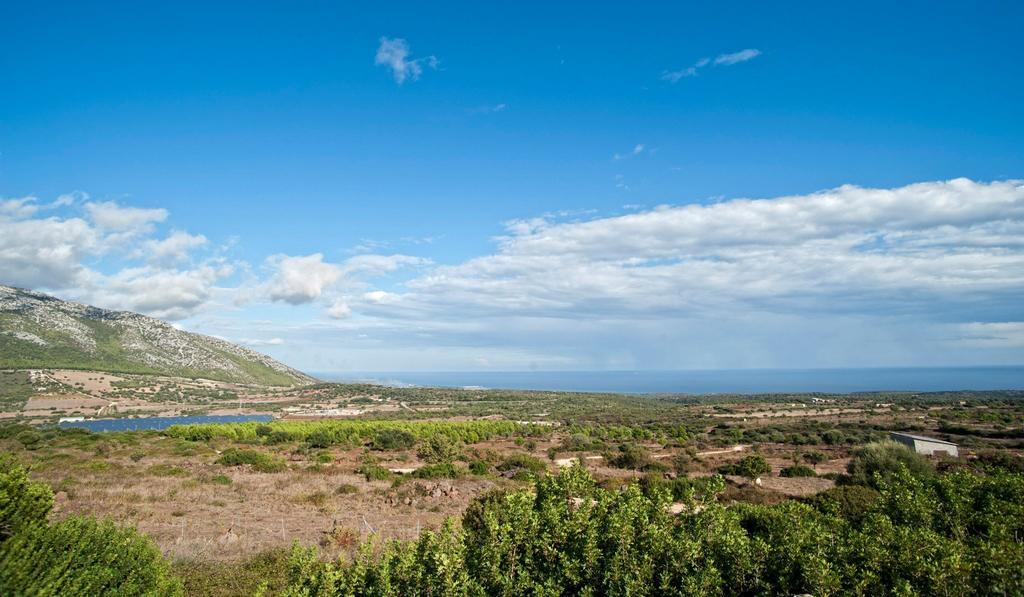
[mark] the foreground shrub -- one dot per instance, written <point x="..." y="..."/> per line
<point x="23" y="502"/>
<point x="851" y="502"/>
<point x="83" y="556"/>
<point x="77" y="556"/>
<point x="878" y="461"/>
<point x="264" y="463"/>
<point x="953" y="535"/>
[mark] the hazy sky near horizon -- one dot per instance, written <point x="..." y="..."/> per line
<point x="527" y="186"/>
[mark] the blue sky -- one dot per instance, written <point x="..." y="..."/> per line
<point x="342" y="217"/>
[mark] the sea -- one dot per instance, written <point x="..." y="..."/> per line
<point x="721" y="381"/>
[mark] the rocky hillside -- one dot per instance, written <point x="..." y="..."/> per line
<point x="41" y="331"/>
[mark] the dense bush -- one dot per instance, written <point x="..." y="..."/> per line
<point x="522" y="462"/>
<point x="442" y="470"/>
<point x="438" y="449"/>
<point x="393" y="439"/>
<point x="798" y="470"/>
<point x="629" y="455"/>
<point x="23" y="502"/>
<point x="77" y="556"/>
<point x="877" y="461"/>
<point x="264" y="463"/>
<point x="851" y="502"/>
<point x="956" y="534"/>
<point x="748" y="466"/>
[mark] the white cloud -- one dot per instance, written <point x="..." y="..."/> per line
<point x="339" y="310"/>
<point x="173" y="249"/>
<point x="45" y="253"/>
<point x="736" y="57"/>
<point x="18" y="208"/>
<point x="394" y="53"/>
<point x="109" y="215"/>
<point x="167" y="294"/>
<point x="381" y="297"/>
<point x="850" y="249"/>
<point x="674" y="76"/>
<point x="301" y="279"/>
<point x="256" y="343"/>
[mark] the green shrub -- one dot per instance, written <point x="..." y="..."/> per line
<point x="82" y="556"/>
<point x="438" y="449"/>
<point x="681" y="462"/>
<point x="798" y="470"/>
<point x="815" y="457"/>
<point x="479" y="467"/>
<point x="319" y="440"/>
<point x="749" y="466"/>
<point x="221" y="480"/>
<point x="631" y="456"/>
<point x="955" y="535"/>
<point x="264" y="463"/>
<point x="23" y="502"/>
<point x="851" y="502"/>
<point x="393" y="439"/>
<point x="76" y="556"/>
<point x="371" y="470"/>
<point x="521" y="461"/>
<point x="443" y="470"/>
<point x="29" y="439"/>
<point x="878" y="461"/>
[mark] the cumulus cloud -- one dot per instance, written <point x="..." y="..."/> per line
<point x="173" y="249"/>
<point x="674" y="76"/>
<point x="304" y="279"/>
<point x="339" y="310"/>
<point x="301" y="279"/>
<point x="174" y="294"/>
<point x="394" y="53"/>
<point x="45" y="253"/>
<point x="72" y="254"/>
<point x="109" y="215"/>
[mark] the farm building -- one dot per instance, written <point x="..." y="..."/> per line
<point x="928" y="446"/>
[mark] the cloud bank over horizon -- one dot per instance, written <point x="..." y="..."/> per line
<point x="927" y="273"/>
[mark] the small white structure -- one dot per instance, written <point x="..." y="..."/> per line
<point x="929" y="446"/>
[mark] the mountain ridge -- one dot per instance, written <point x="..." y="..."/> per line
<point x="41" y="331"/>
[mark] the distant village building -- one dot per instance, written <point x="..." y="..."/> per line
<point x="929" y="446"/>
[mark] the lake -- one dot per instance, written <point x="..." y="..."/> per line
<point x="739" y="381"/>
<point x="158" y="423"/>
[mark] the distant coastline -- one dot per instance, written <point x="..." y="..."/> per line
<point x="737" y="381"/>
